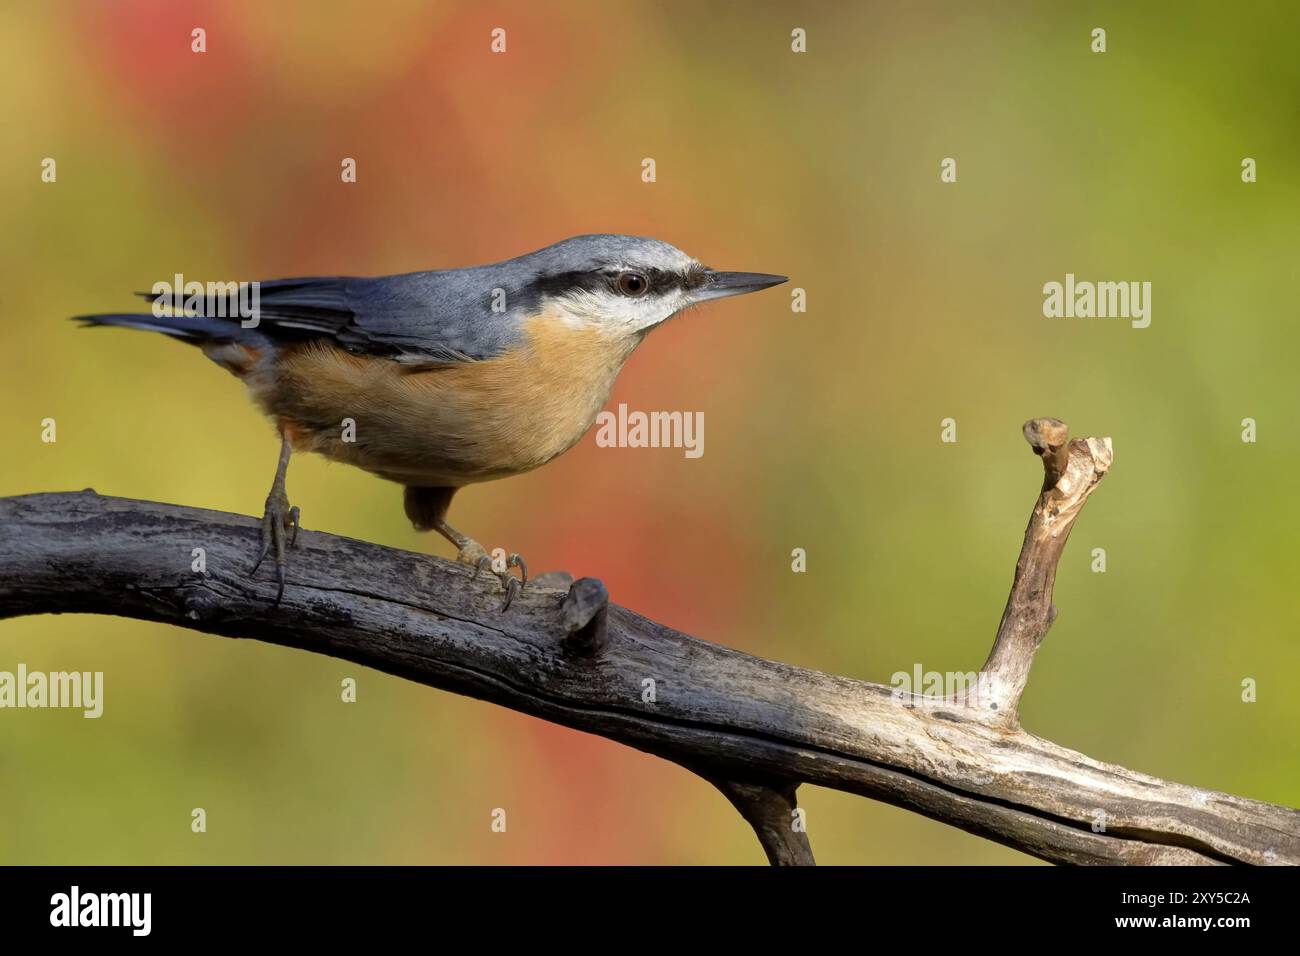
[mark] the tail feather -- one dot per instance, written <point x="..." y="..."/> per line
<point x="190" y="328"/>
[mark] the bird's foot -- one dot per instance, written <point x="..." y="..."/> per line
<point x="473" y="554"/>
<point x="278" y="521"/>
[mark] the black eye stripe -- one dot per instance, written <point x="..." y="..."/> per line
<point x="662" y="281"/>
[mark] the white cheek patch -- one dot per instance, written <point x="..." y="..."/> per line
<point x="583" y="309"/>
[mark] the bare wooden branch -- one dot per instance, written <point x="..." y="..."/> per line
<point x="570" y="657"/>
<point x="773" y="813"/>
<point x="1071" y="471"/>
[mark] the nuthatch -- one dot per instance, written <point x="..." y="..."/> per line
<point x="450" y="377"/>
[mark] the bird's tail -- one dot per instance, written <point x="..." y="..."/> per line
<point x="189" y="328"/>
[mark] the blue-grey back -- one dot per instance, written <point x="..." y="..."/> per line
<point x="444" y="315"/>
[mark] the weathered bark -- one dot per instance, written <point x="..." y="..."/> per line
<point x="753" y="727"/>
<point x="1071" y="471"/>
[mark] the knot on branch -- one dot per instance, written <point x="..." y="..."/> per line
<point x="1048" y="438"/>
<point x="585" y="613"/>
<point x="201" y="607"/>
<point x="1069" y="467"/>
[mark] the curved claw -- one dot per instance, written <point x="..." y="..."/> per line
<point x="517" y="561"/>
<point x="267" y="541"/>
<point x="294" y="514"/>
<point x="512" y="588"/>
<point x="261" y="556"/>
<point x="482" y="564"/>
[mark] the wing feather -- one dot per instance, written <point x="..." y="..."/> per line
<point x="420" y="319"/>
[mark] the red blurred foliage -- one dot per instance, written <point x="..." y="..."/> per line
<point x="142" y="53"/>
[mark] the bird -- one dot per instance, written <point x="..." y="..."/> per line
<point x="446" y="377"/>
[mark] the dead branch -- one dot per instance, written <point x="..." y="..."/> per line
<point x="752" y="727"/>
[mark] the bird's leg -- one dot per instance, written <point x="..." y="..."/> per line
<point x="277" y="518"/>
<point x="427" y="509"/>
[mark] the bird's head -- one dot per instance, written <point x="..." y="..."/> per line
<point x="628" y="284"/>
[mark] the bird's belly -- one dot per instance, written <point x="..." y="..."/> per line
<point x="448" y="426"/>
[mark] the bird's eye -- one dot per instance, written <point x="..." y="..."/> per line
<point x="633" y="284"/>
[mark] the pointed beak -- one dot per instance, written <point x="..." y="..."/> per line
<point x="719" y="285"/>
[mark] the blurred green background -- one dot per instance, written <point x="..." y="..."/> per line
<point x="822" y="428"/>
